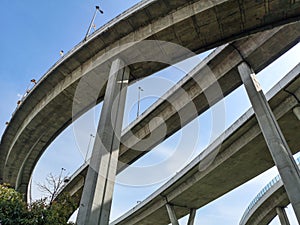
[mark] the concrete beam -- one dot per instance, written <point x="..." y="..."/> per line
<point x="282" y="216"/>
<point x="262" y="209"/>
<point x="268" y="46"/>
<point x="32" y="129"/>
<point x="198" y="183"/>
<point x="95" y="204"/>
<point x="274" y="138"/>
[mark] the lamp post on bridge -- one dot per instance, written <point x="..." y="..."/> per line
<point x="88" y="147"/>
<point x="139" y="100"/>
<point x="92" y="22"/>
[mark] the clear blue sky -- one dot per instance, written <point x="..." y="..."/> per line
<point x="33" y="33"/>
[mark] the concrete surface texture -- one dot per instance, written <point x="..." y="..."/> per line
<point x="243" y="153"/>
<point x="276" y="142"/>
<point x="96" y="199"/>
<point x="223" y="63"/>
<point x="263" y="209"/>
<point x="196" y="25"/>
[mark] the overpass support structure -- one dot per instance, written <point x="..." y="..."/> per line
<point x="172" y="214"/>
<point x="95" y="204"/>
<point x="282" y="216"/>
<point x="273" y="136"/>
<point x="173" y="217"/>
<point x="192" y="217"/>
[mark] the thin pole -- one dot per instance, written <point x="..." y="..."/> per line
<point x="92" y="22"/>
<point x="88" y="148"/>
<point x="139" y="99"/>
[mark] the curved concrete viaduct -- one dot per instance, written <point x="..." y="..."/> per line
<point x="210" y="175"/>
<point x="223" y="62"/>
<point x="263" y="209"/>
<point x="196" y="25"/>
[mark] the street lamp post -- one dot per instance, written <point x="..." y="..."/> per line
<point x="139" y="99"/>
<point x="92" y="22"/>
<point x="88" y="148"/>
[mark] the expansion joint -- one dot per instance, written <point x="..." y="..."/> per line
<point x="168" y="202"/>
<point x="241" y="55"/>
<point x="291" y="93"/>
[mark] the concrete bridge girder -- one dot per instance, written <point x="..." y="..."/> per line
<point x="31" y="129"/>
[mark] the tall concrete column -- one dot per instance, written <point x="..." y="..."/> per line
<point x="172" y="215"/>
<point x="274" y="138"/>
<point x="282" y="216"/>
<point x="95" y="204"/>
<point x="192" y="217"/>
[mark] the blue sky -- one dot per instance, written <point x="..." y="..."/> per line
<point x="33" y="33"/>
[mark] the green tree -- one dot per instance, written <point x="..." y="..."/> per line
<point x="13" y="209"/>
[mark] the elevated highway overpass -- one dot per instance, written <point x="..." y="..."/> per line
<point x="196" y="25"/>
<point x="242" y="155"/>
<point x="262" y="209"/>
<point x="259" y="50"/>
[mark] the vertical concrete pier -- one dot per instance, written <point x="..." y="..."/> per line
<point x="172" y="214"/>
<point x="282" y="216"/>
<point x="192" y="217"/>
<point x="274" y="138"/>
<point x="95" y="204"/>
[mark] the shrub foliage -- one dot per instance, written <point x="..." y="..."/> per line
<point x="14" y="210"/>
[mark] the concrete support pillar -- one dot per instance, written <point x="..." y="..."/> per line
<point x="172" y="215"/>
<point x="274" y="138"/>
<point x="192" y="217"/>
<point x="282" y="216"/>
<point x="95" y="204"/>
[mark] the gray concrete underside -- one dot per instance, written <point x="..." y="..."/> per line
<point x="196" y="25"/>
<point x="242" y="156"/>
<point x="223" y="62"/>
<point x="264" y="210"/>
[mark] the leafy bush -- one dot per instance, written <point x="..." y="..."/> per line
<point x="13" y="209"/>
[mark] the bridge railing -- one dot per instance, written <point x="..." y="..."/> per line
<point x="103" y="28"/>
<point x="274" y="181"/>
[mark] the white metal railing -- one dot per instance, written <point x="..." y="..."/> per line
<point x="274" y="181"/>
